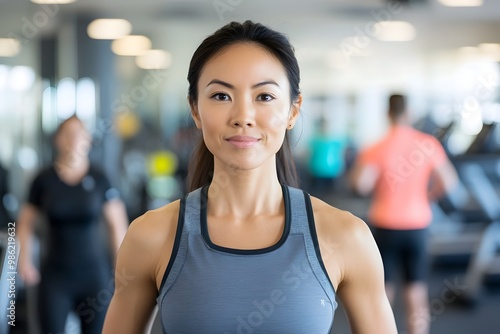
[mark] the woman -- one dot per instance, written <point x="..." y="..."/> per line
<point x="245" y="252"/>
<point x="405" y="170"/>
<point x="75" y="273"/>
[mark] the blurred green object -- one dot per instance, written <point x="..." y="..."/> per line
<point x="163" y="187"/>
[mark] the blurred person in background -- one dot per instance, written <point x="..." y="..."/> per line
<point x="71" y="194"/>
<point x="406" y="170"/>
<point x="5" y="217"/>
<point x="246" y="251"/>
<point x="326" y="159"/>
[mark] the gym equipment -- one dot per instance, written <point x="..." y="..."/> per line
<point x="8" y="261"/>
<point x="485" y="259"/>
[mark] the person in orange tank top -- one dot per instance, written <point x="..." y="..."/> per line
<point x="405" y="171"/>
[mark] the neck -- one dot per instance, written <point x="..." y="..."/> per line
<point x="71" y="163"/>
<point x="401" y="120"/>
<point x="245" y="193"/>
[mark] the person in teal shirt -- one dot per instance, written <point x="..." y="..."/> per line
<point x="326" y="158"/>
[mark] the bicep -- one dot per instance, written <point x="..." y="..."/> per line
<point x="362" y="290"/>
<point x="135" y="291"/>
<point x="130" y="309"/>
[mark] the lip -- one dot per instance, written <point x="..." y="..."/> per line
<point x="242" y="141"/>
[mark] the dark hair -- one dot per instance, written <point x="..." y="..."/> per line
<point x="397" y="106"/>
<point x="201" y="167"/>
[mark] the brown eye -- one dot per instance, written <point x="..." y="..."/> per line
<point x="265" y="97"/>
<point x="220" y="97"/>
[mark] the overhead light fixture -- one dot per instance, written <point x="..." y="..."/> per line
<point x="109" y="28"/>
<point x="461" y="3"/>
<point x="154" y="60"/>
<point x="131" y="45"/>
<point x="394" y="31"/>
<point x="52" y="2"/>
<point x="9" y="47"/>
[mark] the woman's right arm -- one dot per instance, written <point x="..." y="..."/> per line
<point x="142" y="259"/>
<point x="27" y="270"/>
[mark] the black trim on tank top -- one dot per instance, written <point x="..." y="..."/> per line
<point x="206" y="237"/>
<point x="177" y="241"/>
<point x="314" y="235"/>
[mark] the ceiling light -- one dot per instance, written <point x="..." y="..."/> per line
<point x="52" y="2"/>
<point x="154" y="60"/>
<point x="109" y="28"/>
<point x="394" y="31"/>
<point x="461" y="3"/>
<point x="131" y="45"/>
<point x="9" y="47"/>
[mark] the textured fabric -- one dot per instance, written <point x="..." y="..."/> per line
<point x="73" y="214"/>
<point x="280" y="289"/>
<point x="76" y="268"/>
<point x="405" y="159"/>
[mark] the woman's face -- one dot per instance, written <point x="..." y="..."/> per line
<point x="73" y="138"/>
<point x="244" y="106"/>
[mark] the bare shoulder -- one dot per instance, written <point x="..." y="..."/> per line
<point x="344" y="240"/>
<point x="336" y="223"/>
<point x="155" y="225"/>
<point x="150" y="238"/>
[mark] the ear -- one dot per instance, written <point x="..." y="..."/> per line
<point x="194" y="113"/>
<point x="294" y="112"/>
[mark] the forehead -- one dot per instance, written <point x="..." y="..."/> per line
<point x="71" y="125"/>
<point x="246" y="60"/>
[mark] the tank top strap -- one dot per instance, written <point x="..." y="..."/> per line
<point x="302" y="223"/>
<point x="188" y="222"/>
<point x="298" y="211"/>
<point x="192" y="210"/>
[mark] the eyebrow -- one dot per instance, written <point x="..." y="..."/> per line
<point x="257" y="85"/>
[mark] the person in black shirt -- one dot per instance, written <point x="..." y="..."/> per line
<point x="75" y="273"/>
<point x="5" y="217"/>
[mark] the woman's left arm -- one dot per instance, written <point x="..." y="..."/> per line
<point x="354" y="265"/>
<point x="116" y="217"/>
<point x="361" y="289"/>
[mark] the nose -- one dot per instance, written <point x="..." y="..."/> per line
<point x="243" y="114"/>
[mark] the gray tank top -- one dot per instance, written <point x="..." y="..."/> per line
<point x="279" y="289"/>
